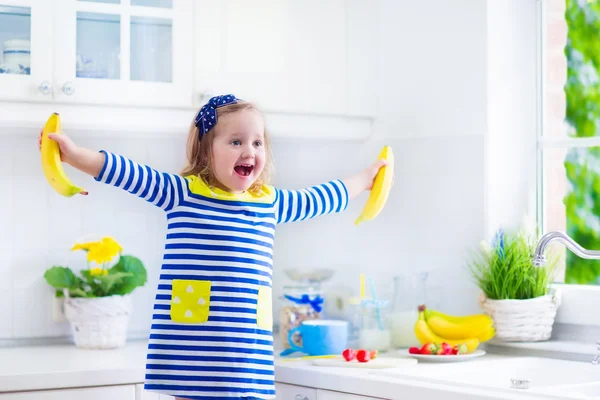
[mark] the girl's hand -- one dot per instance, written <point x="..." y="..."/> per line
<point x="364" y="180"/>
<point x="68" y="149"/>
<point x="371" y="172"/>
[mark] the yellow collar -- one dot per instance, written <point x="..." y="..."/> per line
<point x="199" y="187"/>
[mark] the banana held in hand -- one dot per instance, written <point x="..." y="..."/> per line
<point x="51" y="164"/>
<point x="381" y="187"/>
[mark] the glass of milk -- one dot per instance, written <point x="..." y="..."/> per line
<point x="409" y="293"/>
<point x="371" y="318"/>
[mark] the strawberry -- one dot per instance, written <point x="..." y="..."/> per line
<point x="414" y="350"/>
<point x="444" y="349"/>
<point x="349" y="354"/>
<point x="363" y="356"/>
<point x="373" y="354"/>
<point x="428" y="348"/>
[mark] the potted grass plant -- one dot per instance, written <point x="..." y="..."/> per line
<point x="97" y="304"/>
<point x="516" y="294"/>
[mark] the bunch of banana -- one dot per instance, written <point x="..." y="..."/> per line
<point x="381" y="187"/>
<point x="436" y="327"/>
<point x="51" y="163"/>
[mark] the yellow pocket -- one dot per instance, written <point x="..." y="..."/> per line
<point x="190" y="301"/>
<point x="264" y="308"/>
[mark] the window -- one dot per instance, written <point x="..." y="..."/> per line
<point x="569" y="141"/>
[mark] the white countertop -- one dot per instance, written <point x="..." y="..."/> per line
<point x="62" y="366"/>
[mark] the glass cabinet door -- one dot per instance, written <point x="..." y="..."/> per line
<point x="15" y="39"/>
<point x="25" y="66"/>
<point x="123" y="52"/>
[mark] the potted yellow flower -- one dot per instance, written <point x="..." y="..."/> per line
<point x="98" y="304"/>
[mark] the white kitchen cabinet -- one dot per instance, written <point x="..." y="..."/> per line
<point x="141" y="394"/>
<point x="363" y="57"/>
<point x="118" y="52"/>
<point x="329" y="395"/>
<point x="285" y="391"/>
<point x="120" y="392"/>
<point x="26" y="50"/>
<point x="309" y="57"/>
<point x="108" y="52"/>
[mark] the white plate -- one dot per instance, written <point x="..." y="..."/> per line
<point x="442" y="359"/>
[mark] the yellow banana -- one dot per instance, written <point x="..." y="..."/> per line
<point x="381" y="187"/>
<point x="425" y="334"/>
<point x="51" y="164"/>
<point x="453" y="330"/>
<point x="487" y="334"/>
<point x="479" y="318"/>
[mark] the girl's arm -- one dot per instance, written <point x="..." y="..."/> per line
<point x="163" y="190"/>
<point x="331" y="197"/>
<point x="362" y="181"/>
<point x="85" y="160"/>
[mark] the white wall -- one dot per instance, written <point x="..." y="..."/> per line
<point x="433" y="95"/>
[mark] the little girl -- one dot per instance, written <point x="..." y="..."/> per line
<point x="211" y="333"/>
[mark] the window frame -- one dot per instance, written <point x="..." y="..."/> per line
<point x="576" y="299"/>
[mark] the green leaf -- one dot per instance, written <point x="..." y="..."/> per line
<point x="107" y="282"/>
<point x="78" y="293"/>
<point x="61" y="278"/>
<point x="88" y="277"/>
<point x="133" y="266"/>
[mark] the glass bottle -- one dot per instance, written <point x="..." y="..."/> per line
<point x="409" y="293"/>
<point x="300" y="303"/>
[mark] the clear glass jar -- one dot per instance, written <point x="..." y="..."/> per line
<point x="300" y="303"/>
<point x="370" y="327"/>
<point x="409" y="293"/>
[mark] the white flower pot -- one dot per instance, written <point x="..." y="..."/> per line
<point x="99" y="323"/>
<point x="529" y="320"/>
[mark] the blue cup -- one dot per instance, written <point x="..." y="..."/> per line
<point x="321" y="337"/>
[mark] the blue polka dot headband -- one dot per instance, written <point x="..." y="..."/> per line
<point x="207" y="116"/>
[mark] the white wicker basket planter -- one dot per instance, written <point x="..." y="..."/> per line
<point x="528" y="320"/>
<point x="99" y="323"/>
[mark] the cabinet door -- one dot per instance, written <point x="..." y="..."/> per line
<point x="141" y="394"/>
<point x="129" y="52"/>
<point x="329" y="395"/>
<point x="122" y="392"/>
<point x="292" y="392"/>
<point x="285" y="55"/>
<point x="25" y="50"/>
<point x="363" y="57"/>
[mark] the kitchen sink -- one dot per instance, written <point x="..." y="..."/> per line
<point x="499" y="372"/>
<point x="589" y="391"/>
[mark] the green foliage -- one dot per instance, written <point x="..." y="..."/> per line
<point x="582" y="166"/>
<point x="128" y="274"/>
<point x="133" y="273"/>
<point x="504" y="270"/>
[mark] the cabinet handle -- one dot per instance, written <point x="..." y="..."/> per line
<point x="45" y="87"/>
<point x="68" y="88"/>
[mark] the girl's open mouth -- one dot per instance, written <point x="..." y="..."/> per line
<point x="243" y="170"/>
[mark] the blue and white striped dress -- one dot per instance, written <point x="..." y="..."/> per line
<point x="211" y="335"/>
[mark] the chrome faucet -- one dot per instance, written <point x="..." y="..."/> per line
<point x="539" y="259"/>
